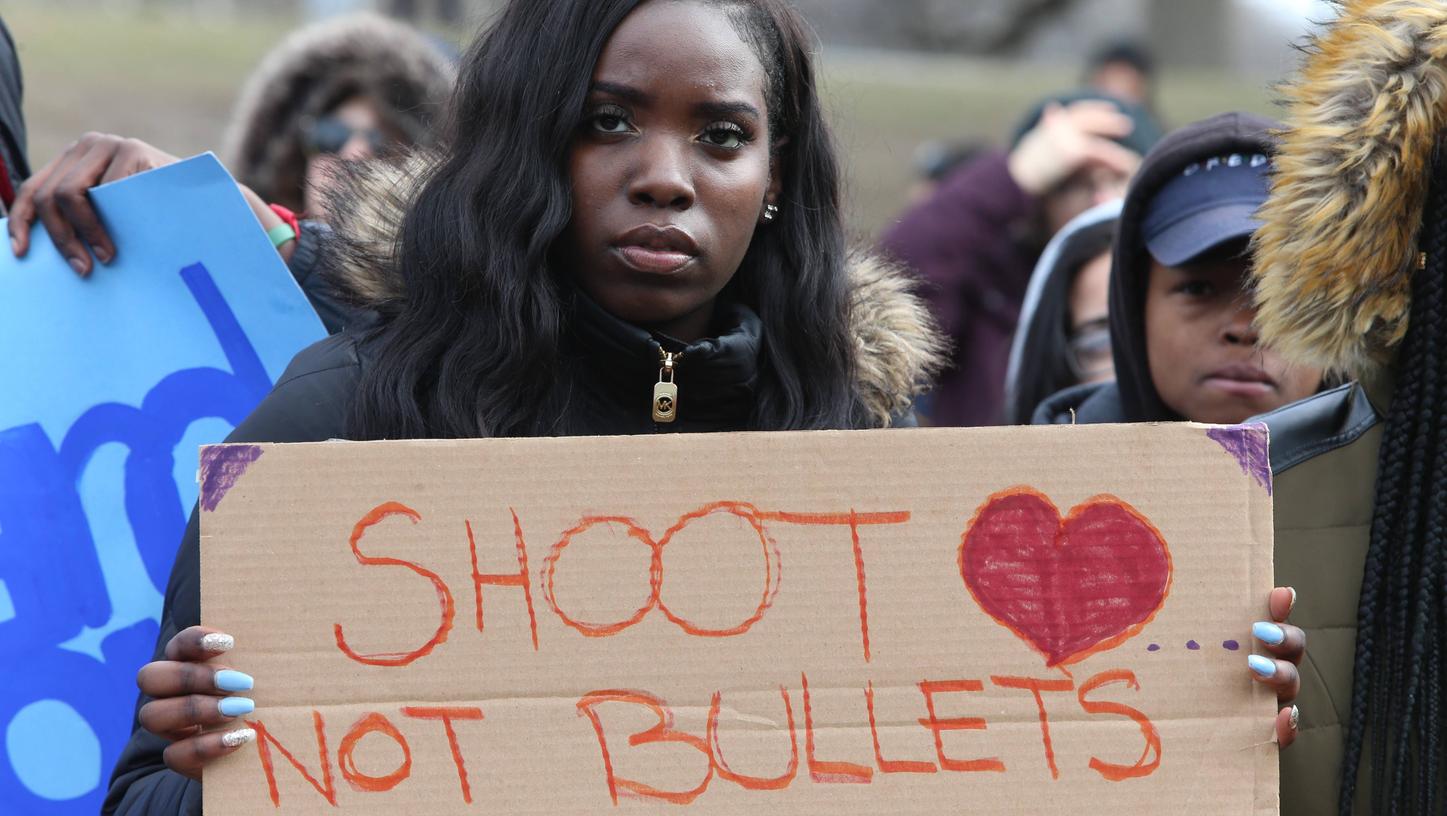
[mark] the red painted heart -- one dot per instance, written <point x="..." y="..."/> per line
<point x="1070" y="587"/>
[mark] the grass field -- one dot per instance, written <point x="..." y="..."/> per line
<point x="172" y="81"/>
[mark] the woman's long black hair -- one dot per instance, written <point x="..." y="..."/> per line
<point x="474" y="347"/>
<point x="1397" y="691"/>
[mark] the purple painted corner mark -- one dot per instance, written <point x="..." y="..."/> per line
<point x="1230" y="645"/>
<point x="1250" y="444"/>
<point x="221" y="466"/>
<point x="1154" y="647"/>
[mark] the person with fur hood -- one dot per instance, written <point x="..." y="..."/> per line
<point x="1351" y="277"/>
<point x="346" y="88"/>
<point x="340" y="91"/>
<point x="616" y="205"/>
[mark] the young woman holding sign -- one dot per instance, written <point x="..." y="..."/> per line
<point x="635" y="227"/>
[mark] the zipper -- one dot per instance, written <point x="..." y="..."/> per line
<point x="665" y="393"/>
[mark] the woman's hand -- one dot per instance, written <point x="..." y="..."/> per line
<point x="190" y="694"/>
<point x="1287" y="646"/>
<point x="59" y="196"/>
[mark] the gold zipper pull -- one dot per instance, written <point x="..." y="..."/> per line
<point x="665" y="393"/>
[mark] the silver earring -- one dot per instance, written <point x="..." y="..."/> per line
<point x="771" y="211"/>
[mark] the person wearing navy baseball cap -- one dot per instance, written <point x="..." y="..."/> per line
<point x="1182" y="331"/>
<point x="1211" y="204"/>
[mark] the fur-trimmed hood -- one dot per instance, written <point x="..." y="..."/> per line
<point x="1336" y="252"/>
<point x="407" y="75"/>
<point x="898" y="350"/>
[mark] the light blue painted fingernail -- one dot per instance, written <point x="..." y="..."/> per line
<point x="231" y="680"/>
<point x="1268" y="633"/>
<point x="236" y="706"/>
<point x="1264" y="666"/>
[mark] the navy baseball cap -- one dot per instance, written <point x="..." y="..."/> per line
<point x="1211" y="203"/>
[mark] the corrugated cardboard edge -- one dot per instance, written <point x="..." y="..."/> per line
<point x="1266" y="783"/>
<point x="1268" y="769"/>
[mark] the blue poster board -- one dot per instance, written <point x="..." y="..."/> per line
<point x="107" y="387"/>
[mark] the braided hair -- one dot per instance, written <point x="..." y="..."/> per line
<point x="1397" y="691"/>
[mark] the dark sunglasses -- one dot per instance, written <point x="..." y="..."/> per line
<point x="328" y="135"/>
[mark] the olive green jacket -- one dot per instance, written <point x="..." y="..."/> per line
<point x="1324" y="458"/>
<point x="1334" y="260"/>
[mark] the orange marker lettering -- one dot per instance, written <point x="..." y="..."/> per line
<point x="662" y="732"/>
<point x="655" y="576"/>
<point x="447" y="715"/>
<point x="753" y="782"/>
<point x="938" y="726"/>
<point x="890" y="765"/>
<point x="1110" y="770"/>
<point x="772" y="568"/>
<point x="265" y="742"/>
<point x="369" y="724"/>
<point x="853" y="520"/>
<point x="522" y="578"/>
<point x="1035" y="686"/>
<point x="819" y="771"/>
<point x="444" y="596"/>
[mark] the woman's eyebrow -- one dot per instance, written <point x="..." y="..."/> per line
<point x="627" y="93"/>
<point x="721" y="109"/>
<point x="636" y="96"/>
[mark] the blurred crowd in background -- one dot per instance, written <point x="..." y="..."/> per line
<point x="1074" y="183"/>
<point x="921" y="92"/>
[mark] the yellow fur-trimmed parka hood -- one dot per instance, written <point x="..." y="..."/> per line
<point x="1338" y="244"/>
<point x="1335" y="262"/>
<point x="405" y="74"/>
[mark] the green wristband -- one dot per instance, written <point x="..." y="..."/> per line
<point x="280" y="234"/>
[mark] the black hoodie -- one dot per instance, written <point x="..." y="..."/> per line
<point x="1133" y="397"/>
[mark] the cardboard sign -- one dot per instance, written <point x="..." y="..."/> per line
<point x="108" y="386"/>
<point x="1011" y="621"/>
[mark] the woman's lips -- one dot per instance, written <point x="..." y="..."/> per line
<point x="658" y="249"/>
<point x="654" y="261"/>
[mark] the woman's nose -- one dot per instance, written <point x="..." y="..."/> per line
<point x="664" y="178"/>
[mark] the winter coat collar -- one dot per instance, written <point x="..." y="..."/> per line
<point x="715" y="376"/>
<point x="1338" y="246"/>
<point x="897" y="349"/>
<point x="1085" y="404"/>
